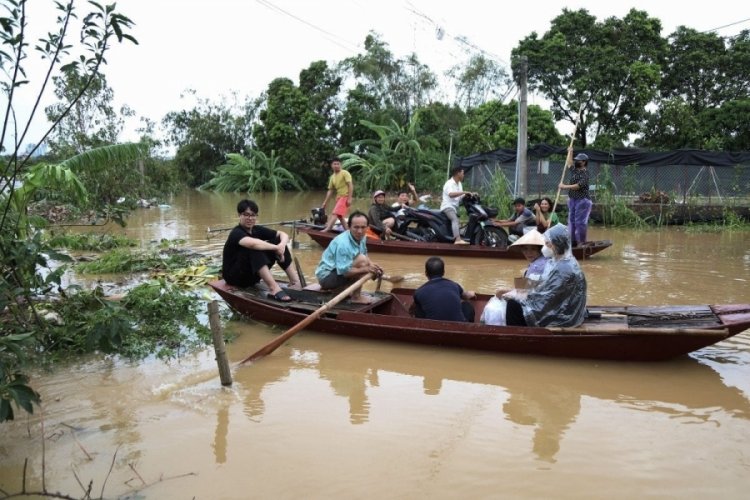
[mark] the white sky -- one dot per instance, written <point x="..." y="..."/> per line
<point x="220" y="46"/>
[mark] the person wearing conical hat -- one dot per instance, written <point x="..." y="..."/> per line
<point x="530" y="244"/>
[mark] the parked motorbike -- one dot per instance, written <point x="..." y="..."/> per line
<point x="433" y="225"/>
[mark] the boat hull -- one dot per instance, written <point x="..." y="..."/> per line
<point x="609" y="337"/>
<point x="323" y="238"/>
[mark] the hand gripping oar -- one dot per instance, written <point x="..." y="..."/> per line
<point x="275" y="343"/>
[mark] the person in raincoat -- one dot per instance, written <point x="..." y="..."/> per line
<point x="560" y="298"/>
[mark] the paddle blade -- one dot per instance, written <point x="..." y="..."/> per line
<point x="393" y="279"/>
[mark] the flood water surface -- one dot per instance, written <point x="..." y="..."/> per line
<point x="335" y="417"/>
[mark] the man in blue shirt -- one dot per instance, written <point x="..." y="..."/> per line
<point x="345" y="259"/>
<point x="441" y="298"/>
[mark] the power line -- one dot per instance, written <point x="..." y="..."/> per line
<point x="460" y="39"/>
<point x="332" y="37"/>
<point x="727" y="25"/>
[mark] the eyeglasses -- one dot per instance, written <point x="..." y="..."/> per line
<point x="248" y="214"/>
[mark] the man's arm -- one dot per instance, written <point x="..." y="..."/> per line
<point x="328" y="196"/>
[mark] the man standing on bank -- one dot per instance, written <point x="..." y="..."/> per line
<point x="341" y="184"/>
<point x="250" y="251"/>
<point x="579" y="202"/>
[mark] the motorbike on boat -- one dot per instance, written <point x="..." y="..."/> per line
<point x="423" y="224"/>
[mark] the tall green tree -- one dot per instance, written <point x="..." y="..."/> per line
<point x="205" y="134"/>
<point x="702" y="92"/>
<point x="91" y="122"/>
<point x="301" y="123"/>
<point x="494" y="125"/>
<point x="398" y="85"/>
<point x="606" y="72"/>
<point x="479" y="80"/>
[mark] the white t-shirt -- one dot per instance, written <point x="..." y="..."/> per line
<point x="451" y="186"/>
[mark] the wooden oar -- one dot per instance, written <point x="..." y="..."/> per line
<point x="275" y="343"/>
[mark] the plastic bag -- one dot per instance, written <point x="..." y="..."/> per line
<point x="494" y="312"/>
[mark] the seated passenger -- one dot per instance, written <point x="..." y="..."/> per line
<point x="531" y="245"/>
<point x="522" y="220"/>
<point x="560" y="298"/>
<point x="544" y="215"/>
<point x="345" y="259"/>
<point x="406" y="197"/>
<point x="381" y="217"/>
<point x="441" y="298"/>
<point x="250" y="251"/>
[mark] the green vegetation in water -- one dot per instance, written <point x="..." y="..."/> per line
<point x="90" y="241"/>
<point x="123" y="260"/>
<point x="731" y="222"/>
<point x="154" y="317"/>
<point x="615" y="211"/>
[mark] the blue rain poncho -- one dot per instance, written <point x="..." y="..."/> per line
<point x="560" y="298"/>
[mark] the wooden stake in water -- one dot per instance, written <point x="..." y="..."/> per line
<point x="219" y="347"/>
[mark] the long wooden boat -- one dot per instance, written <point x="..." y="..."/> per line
<point x="323" y="238"/>
<point x="631" y="333"/>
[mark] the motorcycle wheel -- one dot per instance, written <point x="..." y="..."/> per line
<point x="490" y="237"/>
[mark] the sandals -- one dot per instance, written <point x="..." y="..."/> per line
<point x="280" y="296"/>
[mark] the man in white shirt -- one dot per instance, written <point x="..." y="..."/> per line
<point x="453" y="191"/>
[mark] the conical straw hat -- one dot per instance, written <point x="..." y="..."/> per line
<point x="533" y="237"/>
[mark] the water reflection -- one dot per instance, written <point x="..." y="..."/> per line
<point x="541" y="394"/>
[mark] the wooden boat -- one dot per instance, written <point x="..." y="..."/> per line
<point x="323" y="238"/>
<point x="632" y="333"/>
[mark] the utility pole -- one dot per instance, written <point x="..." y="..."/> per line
<point x="521" y="160"/>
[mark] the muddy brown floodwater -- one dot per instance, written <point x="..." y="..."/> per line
<point x="333" y="417"/>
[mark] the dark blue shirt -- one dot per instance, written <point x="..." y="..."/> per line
<point x="440" y="299"/>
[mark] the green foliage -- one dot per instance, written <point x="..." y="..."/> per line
<point x="615" y="211"/>
<point x="14" y="389"/>
<point x="500" y="195"/>
<point x="256" y="173"/>
<point x="154" y="317"/>
<point x="205" y="134"/>
<point x="400" y="86"/>
<point x="122" y="260"/>
<point x="91" y="121"/>
<point x="90" y="241"/>
<point x="494" y="125"/>
<point x="392" y="160"/>
<point x="606" y="72"/>
<point x="730" y="222"/>
<point x="479" y="80"/>
<point x="23" y="269"/>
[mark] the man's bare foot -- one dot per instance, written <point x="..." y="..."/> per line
<point x="361" y="299"/>
<point x="295" y="286"/>
<point x="461" y="242"/>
